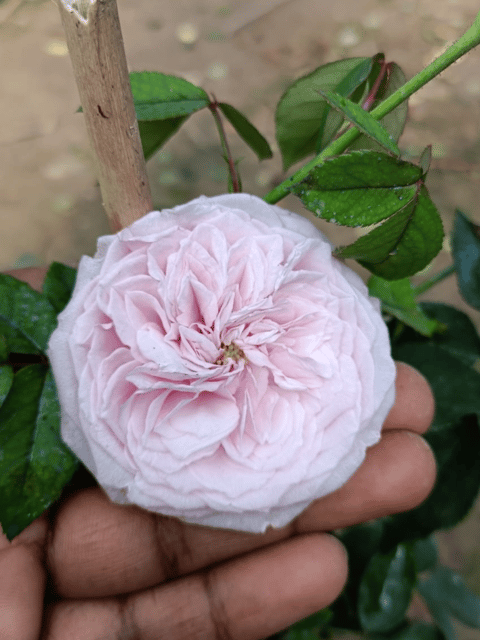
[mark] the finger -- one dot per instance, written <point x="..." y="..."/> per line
<point x="397" y="475"/>
<point x="99" y="548"/>
<point x="246" y="599"/>
<point x="22" y="584"/>
<point x="414" y="404"/>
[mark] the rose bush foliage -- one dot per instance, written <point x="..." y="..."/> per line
<point x="217" y="364"/>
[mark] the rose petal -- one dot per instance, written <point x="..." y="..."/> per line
<point x="217" y="364"/>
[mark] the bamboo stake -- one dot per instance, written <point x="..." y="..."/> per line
<point x="94" y="39"/>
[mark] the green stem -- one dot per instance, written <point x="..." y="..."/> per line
<point x="438" y="277"/>
<point x="465" y="43"/>
<point x="213" y="106"/>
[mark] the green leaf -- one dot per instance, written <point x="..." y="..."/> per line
<point x="466" y="254"/>
<point x="58" y="285"/>
<point x="364" y="188"/>
<point x="362" y="541"/>
<point x="362" y="120"/>
<point x="437" y="609"/>
<point x="158" y="96"/>
<point x="416" y="631"/>
<point x="449" y="590"/>
<point x="154" y="133"/>
<point x="447" y="360"/>
<point x="459" y="336"/>
<point x="4" y="350"/>
<point x="301" y="110"/>
<point x="426" y="159"/>
<point x="398" y="299"/>
<point x="420" y="242"/>
<point x="454" y="384"/>
<point x="393" y="122"/>
<point x="353" y="82"/>
<point x="6" y="380"/>
<point x="386" y="590"/>
<point x="461" y="339"/>
<point x="27" y="318"/>
<point x="355" y="85"/>
<point x="319" y="619"/>
<point x="35" y="463"/>
<point x="310" y="628"/>
<point x="301" y="634"/>
<point x="377" y="245"/>
<point x="15" y="340"/>
<point x="360" y="188"/>
<point x="425" y="554"/>
<point x="246" y="131"/>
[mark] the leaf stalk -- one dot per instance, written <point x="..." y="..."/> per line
<point x="435" y="279"/>
<point x="213" y="106"/>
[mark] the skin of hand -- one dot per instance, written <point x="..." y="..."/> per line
<point x="121" y="573"/>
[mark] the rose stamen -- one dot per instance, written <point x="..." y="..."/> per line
<point x="232" y="352"/>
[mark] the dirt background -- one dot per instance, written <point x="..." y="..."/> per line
<point x="246" y="52"/>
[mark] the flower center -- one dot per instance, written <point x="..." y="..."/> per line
<point x="230" y="351"/>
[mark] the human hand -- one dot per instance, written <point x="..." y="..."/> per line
<point x="116" y="572"/>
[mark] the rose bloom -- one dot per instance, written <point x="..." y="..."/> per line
<point x="217" y="364"/>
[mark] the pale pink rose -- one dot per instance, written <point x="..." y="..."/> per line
<point x="215" y="363"/>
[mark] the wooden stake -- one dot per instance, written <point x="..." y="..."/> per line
<point x="94" y="39"/>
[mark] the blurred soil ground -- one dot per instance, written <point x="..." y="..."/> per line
<point x="245" y="52"/>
